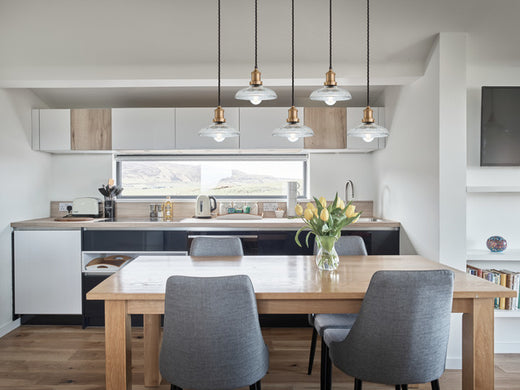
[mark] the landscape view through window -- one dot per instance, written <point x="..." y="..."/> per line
<point x="215" y="177"/>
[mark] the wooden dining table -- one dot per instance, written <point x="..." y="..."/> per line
<point x="283" y="285"/>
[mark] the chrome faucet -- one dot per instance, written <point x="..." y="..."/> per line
<point x="351" y="190"/>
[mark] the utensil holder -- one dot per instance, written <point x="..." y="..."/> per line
<point x="110" y="209"/>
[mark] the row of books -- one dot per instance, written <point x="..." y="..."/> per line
<point x="505" y="278"/>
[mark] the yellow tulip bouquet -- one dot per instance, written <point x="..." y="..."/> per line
<point x="326" y="222"/>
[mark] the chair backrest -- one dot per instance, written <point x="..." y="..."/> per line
<point x="401" y="333"/>
<point x="348" y="246"/>
<point x="216" y="246"/>
<point x="212" y="338"/>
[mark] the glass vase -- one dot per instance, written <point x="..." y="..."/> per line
<point x="327" y="258"/>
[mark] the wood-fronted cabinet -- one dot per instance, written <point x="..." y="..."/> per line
<point x="91" y="129"/>
<point x="188" y="122"/>
<point x="143" y="128"/>
<point x="257" y="125"/>
<point x="329" y="125"/>
<point x="354" y="117"/>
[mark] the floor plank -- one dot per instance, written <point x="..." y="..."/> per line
<point x="71" y="358"/>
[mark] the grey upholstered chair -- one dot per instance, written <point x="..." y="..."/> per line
<point x="216" y="246"/>
<point x="401" y="333"/>
<point x="346" y="246"/>
<point x="212" y="338"/>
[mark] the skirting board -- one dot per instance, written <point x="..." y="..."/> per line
<point x="507" y="347"/>
<point x="453" y="363"/>
<point x="10" y="326"/>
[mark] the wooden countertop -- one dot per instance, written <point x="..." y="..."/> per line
<point x="279" y="277"/>
<point x="184" y="223"/>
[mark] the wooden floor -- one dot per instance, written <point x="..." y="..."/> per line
<point x="68" y="357"/>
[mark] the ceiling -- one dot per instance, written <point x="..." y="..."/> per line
<point x="71" y="43"/>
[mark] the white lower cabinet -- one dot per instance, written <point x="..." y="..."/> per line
<point x="354" y="117"/>
<point x="188" y="122"/>
<point x="257" y="125"/>
<point x="47" y="271"/>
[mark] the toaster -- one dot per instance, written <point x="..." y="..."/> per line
<point x="87" y="207"/>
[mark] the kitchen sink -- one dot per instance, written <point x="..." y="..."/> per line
<point x="239" y="217"/>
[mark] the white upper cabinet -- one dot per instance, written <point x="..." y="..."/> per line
<point x="354" y="117"/>
<point x="188" y="122"/>
<point x="257" y="125"/>
<point x="55" y="130"/>
<point x="143" y="128"/>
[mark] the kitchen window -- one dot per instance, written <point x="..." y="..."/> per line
<point x="224" y="176"/>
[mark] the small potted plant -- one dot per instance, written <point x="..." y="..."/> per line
<point x="326" y="222"/>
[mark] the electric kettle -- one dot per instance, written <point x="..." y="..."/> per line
<point x="204" y="206"/>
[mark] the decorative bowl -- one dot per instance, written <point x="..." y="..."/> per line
<point x="496" y="244"/>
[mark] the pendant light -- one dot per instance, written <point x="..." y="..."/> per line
<point x="256" y="92"/>
<point x="293" y="130"/>
<point x="330" y="93"/>
<point x="219" y="130"/>
<point x="368" y="130"/>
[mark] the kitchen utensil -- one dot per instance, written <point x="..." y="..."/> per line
<point x="204" y="206"/>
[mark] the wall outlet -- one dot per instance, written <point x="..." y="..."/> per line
<point x="270" y="206"/>
<point x="63" y="206"/>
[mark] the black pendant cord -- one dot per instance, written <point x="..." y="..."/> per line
<point x="330" y="34"/>
<point x="218" y="53"/>
<point x="368" y="53"/>
<point x="256" y="34"/>
<point x="292" y="54"/>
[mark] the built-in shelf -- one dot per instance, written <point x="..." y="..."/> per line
<point x="507" y="313"/>
<point x="486" y="255"/>
<point x="504" y="189"/>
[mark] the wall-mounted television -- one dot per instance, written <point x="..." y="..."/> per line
<point x="500" y="126"/>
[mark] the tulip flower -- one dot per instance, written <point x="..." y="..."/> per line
<point x="350" y="211"/>
<point x="299" y="210"/>
<point x="324" y="215"/>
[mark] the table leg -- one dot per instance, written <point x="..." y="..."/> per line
<point x="118" y="346"/>
<point x="152" y="343"/>
<point x="478" y="371"/>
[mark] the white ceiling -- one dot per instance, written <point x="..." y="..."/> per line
<point x="43" y="43"/>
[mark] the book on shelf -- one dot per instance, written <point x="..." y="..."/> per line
<point x="504" y="278"/>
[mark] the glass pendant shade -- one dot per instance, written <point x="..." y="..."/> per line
<point x="256" y="94"/>
<point x="293" y="130"/>
<point x="219" y="130"/>
<point x="368" y="130"/>
<point x="330" y="95"/>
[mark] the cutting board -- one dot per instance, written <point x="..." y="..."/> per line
<point x="73" y="219"/>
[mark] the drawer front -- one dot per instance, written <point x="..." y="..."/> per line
<point x="134" y="240"/>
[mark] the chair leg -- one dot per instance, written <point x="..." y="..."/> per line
<point x="404" y="387"/>
<point x="397" y="387"/>
<point x="436" y="385"/>
<point x="358" y="384"/>
<point x="255" y="386"/>
<point x="173" y="387"/>
<point x="328" y="372"/>
<point x="312" y="351"/>
<point x="324" y="362"/>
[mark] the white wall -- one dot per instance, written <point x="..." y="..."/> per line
<point x="330" y="171"/>
<point x="407" y="171"/>
<point x="78" y="175"/>
<point x="421" y="175"/>
<point x="489" y="214"/>
<point x="24" y="175"/>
